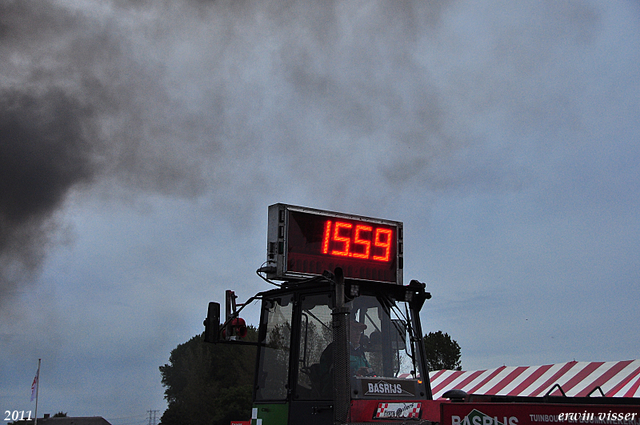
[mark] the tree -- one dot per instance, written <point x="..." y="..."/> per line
<point x="441" y="351"/>
<point x="209" y="384"/>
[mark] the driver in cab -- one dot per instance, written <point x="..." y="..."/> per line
<point x="358" y="362"/>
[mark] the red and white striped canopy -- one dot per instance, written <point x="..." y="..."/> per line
<point x="577" y="379"/>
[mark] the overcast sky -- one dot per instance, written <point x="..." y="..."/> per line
<point x="141" y="143"/>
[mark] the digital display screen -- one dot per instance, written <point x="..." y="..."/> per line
<point x="365" y="249"/>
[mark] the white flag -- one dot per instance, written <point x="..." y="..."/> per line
<point x="34" y="386"/>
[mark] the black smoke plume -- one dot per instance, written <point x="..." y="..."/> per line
<point x="236" y="99"/>
<point x="46" y="148"/>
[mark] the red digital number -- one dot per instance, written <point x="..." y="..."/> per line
<point x="344" y="239"/>
<point x="365" y="242"/>
<point x="326" y="237"/>
<point x="384" y="244"/>
<point x="363" y="236"/>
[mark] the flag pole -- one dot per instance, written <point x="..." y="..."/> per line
<point x="35" y="422"/>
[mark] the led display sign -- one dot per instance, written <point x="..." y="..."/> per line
<point x="304" y="242"/>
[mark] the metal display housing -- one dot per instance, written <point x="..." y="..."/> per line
<point x="281" y="222"/>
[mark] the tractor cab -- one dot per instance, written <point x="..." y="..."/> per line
<point x="340" y="337"/>
<point x="317" y="359"/>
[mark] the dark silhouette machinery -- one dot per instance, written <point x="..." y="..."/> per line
<point x="340" y="338"/>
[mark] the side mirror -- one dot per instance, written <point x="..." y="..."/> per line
<point x="212" y="323"/>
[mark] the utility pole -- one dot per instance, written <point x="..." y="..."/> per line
<point x="152" y="416"/>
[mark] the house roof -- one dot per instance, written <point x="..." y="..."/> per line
<point x="577" y="379"/>
<point x="70" y="420"/>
